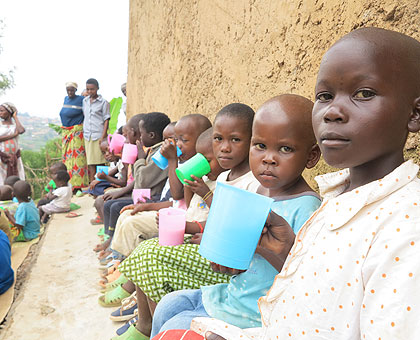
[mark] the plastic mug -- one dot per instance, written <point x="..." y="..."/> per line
<point x="161" y="161"/>
<point x="52" y="185"/>
<point x="171" y="226"/>
<point x="196" y="165"/>
<point x="129" y="153"/>
<point x="234" y="225"/>
<point x="140" y="195"/>
<point x="116" y="143"/>
<point x="102" y="168"/>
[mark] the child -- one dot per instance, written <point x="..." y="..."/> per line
<point x="282" y="146"/>
<point x="352" y="271"/>
<point x="26" y="218"/>
<point x="60" y="197"/>
<point x="95" y="125"/>
<point x="6" y="272"/>
<point x="54" y="168"/>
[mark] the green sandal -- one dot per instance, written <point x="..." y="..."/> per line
<point x="101" y="231"/>
<point x="113" y="298"/>
<point x="131" y="334"/>
<point x="114" y="284"/>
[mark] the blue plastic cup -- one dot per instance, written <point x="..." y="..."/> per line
<point x="234" y="225"/>
<point x="102" y="168"/>
<point x="161" y="161"/>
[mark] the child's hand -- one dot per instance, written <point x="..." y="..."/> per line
<point x="101" y="175"/>
<point x="198" y="186"/>
<point x="140" y="207"/>
<point x="93" y="184"/>
<point x="140" y="150"/>
<point x="196" y="239"/>
<point x="168" y="149"/>
<point x="225" y="270"/>
<point x="112" y="195"/>
<point x="127" y="207"/>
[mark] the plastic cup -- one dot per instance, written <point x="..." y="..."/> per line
<point x="51" y="184"/>
<point x="129" y="153"/>
<point x="161" y="161"/>
<point x="116" y="143"/>
<point x="234" y="225"/>
<point x="171" y="226"/>
<point x="197" y="166"/>
<point x="102" y="168"/>
<point x="140" y="195"/>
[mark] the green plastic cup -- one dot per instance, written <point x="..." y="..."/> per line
<point x="197" y="166"/>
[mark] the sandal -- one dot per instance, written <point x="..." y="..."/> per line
<point x="109" y="278"/>
<point x="101" y="231"/>
<point x="124" y="327"/>
<point x="113" y="297"/>
<point x="127" y="311"/>
<point x="73" y="214"/>
<point x="96" y="221"/>
<point x="114" y="284"/>
<point x="109" y="271"/>
<point x="131" y="334"/>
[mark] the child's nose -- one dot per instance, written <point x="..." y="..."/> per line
<point x="225" y="146"/>
<point x="334" y="113"/>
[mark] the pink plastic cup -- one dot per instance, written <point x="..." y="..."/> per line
<point x="171" y="226"/>
<point x="129" y="154"/>
<point x="140" y="195"/>
<point x="116" y="143"/>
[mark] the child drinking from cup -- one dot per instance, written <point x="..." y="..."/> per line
<point x="351" y="271"/>
<point x="282" y="146"/>
<point x="51" y="184"/>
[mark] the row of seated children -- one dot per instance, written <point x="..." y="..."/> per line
<point x="367" y="226"/>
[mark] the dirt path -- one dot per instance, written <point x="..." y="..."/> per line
<point x="59" y="296"/>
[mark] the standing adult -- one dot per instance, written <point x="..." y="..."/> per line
<point x="10" y="128"/>
<point x="73" y="148"/>
<point x="95" y="127"/>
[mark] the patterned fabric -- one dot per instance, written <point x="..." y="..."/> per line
<point x="160" y="270"/>
<point x="9" y="147"/>
<point x="74" y="157"/>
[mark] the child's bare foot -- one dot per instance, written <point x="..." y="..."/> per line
<point x="103" y="254"/>
<point x="99" y="247"/>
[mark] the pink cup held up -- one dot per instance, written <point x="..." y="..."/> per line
<point x="116" y="143"/>
<point x="140" y="195"/>
<point x="129" y="154"/>
<point x="171" y="226"/>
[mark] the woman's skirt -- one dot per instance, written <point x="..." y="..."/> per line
<point x="74" y="156"/>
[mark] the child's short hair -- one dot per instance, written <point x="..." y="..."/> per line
<point x="156" y="122"/>
<point x="134" y="121"/>
<point x="92" y="81"/>
<point x="11" y="180"/>
<point x="6" y="193"/>
<point x="22" y="190"/>
<point x="205" y="139"/>
<point x="62" y="176"/>
<point x="238" y="110"/>
<point x="120" y="130"/>
<point x="58" y="166"/>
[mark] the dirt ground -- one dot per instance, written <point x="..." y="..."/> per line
<point x="57" y="288"/>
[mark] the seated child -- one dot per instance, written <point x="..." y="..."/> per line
<point x="26" y="218"/>
<point x="6" y="272"/>
<point x="60" y="197"/>
<point x="6" y="199"/>
<point x="282" y="145"/>
<point x="352" y="272"/>
<point x="51" y="184"/>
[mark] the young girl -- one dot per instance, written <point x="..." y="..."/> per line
<point x="60" y="197"/>
<point x="26" y="218"/>
<point x="282" y="146"/>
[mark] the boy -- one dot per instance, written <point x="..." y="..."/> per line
<point x="54" y="168"/>
<point x="60" y="197"/>
<point x="95" y="125"/>
<point x="352" y="271"/>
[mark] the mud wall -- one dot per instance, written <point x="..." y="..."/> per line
<point x="197" y="56"/>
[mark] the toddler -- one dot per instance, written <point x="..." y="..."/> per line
<point x="26" y="217"/>
<point x="282" y="146"/>
<point x="352" y="270"/>
<point x="51" y="184"/>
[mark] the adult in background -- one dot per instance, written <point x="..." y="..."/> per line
<point x="10" y="128"/>
<point x="73" y="148"/>
<point x="95" y="127"/>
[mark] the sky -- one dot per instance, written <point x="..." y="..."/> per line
<point x="51" y="42"/>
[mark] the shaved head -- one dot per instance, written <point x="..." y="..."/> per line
<point x="199" y="122"/>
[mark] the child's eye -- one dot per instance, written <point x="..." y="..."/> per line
<point x="286" y="149"/>
<point x="323" y="96"/>
<point x="236" y="139"/>
<point x="217" y="138"/>
<point x="259" y="146"/>
<point x="364" y="94"/>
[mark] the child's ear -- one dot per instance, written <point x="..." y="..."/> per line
<point x="414" y="121"/>
<point x="313" y="157"/>
<point x="152" y="135"/>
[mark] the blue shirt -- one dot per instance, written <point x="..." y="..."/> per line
<point x="6" y="271"/>
<point x="236" y="302"/>
<point x="72" y="112"/>
<point x="96" y="113"/>
<point x="27" y="215"/>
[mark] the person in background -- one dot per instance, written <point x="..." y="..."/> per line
<point x="73" y="146"/>
<point x="96" y="112"/>
<point x="122" y="117"/>
<point x="10" y="128"/>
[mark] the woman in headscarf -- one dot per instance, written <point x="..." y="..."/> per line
<point x="73" y="149"/>
<point x="10" y="128"/>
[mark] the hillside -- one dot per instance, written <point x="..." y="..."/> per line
<point x="37" y="131"/>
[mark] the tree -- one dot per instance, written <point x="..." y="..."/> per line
<point x="6" y="79"/>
